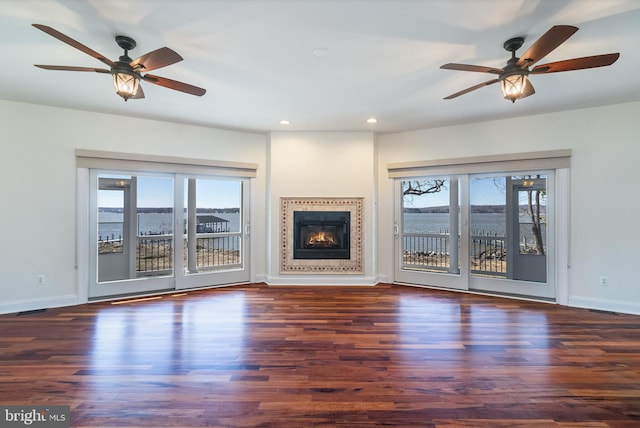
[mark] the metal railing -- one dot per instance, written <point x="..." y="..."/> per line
<point x="154" y="252"/>
<point x="111" y="241"/>
<point x="488" y="254"/>
<point x="216" y="251"/>
<point x="431" y="252"/>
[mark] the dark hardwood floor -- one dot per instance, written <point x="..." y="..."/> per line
<point x="325" y="356"/>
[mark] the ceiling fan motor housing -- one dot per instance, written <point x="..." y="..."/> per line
<point x="123" y="65"/>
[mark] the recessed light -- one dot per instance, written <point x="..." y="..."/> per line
<point x="372" y="120"/>
<point x="285" y="122"/>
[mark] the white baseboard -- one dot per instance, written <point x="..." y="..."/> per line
<point x="71" y="300"/>
<point x="40" y="303"/>
<point x="604" y="305"/>
<point x="319" y="280"/>
<point x="259" y="278"/>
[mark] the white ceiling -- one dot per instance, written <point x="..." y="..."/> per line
<point x="256" y="59"/>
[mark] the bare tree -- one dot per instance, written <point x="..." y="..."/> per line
<point x="534" y="197"/>
<point x="422" y="187"/>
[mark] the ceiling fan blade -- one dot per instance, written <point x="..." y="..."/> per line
<point x="174" y="84"/>
<point x="68" y="68"/>
<point x="68" y="40"/>
<point x="577" y="63"/>
<point x="156" y="59"/>
<point x="473" y="88"/>
<point x="550" y="40"/>
<point x="467" y="67"/>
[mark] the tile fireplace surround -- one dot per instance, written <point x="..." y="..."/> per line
<point x="289" y="265"/>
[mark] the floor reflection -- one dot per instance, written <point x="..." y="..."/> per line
<point x="162" y="336"/>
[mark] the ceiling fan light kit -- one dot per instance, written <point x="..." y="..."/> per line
<point x="513" y="86"/>
<point x="125" y="80"/>
<point x="126" y="84"/>
<point x="514" y="77"/>
<point x="513" y="80"/>
<point x="126" y="72"/>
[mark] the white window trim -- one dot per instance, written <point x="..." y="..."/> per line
<point x="552" y="159"/>
<point x="155" y="163"/>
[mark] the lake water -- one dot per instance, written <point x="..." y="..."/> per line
<point x="162" y="223"/>
<point x="491" y="223"/>
<point x="110" y="223"/>
<point x="482" y="224"/>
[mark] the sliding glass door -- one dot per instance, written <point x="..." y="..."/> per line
<point x="153" y="232"/>
<point x="486" y="232"/>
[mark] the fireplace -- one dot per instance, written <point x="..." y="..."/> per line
<point x="321" y="235"/>
<point x="342" y="217"/>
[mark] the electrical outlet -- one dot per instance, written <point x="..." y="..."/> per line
<point x="41" y="279"/>
<point x="604" y="281"/>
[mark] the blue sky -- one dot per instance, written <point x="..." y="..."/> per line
<point x="483" y="191"/>
<point x="157" y="192"/>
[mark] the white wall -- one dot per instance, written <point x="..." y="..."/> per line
<point x="38" y="192"/>
<point x="604" y="230"/>
<point x="38" y="195"/>
<point x="322" y="164"/>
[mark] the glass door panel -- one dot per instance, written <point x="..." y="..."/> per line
<point x="131" y="232"/>
<point x="114" y="238"/>
<point x="213" y="241"/>
<point x="509" y="216"/>
<point x="154" y="222"/>
<point x="429" y="232"/>
<point x="530" y="228"/>
<point x="487" y="218"/>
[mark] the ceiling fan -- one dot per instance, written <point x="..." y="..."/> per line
<point x="126" y="72"/>
<point x="514" y="76"/>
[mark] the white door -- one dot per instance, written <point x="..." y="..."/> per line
<point x="141" y="239"/>
<point x="430" y="222"/>
<point x="215" y="225"/>
<point x="512" y="226"/>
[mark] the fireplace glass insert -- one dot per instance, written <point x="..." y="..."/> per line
<point x="321" y="235"/>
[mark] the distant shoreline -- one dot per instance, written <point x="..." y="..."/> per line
<point x="479" y="209"/>
<point x="168" y="210"/>
<point x="443" y="209"/>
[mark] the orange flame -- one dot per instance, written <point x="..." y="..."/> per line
<point x="321" y="237"/>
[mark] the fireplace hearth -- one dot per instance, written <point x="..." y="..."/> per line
<point x="321" y="235"/>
